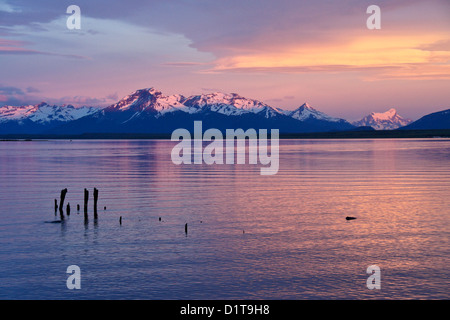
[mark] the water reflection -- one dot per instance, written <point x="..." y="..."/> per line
<point x="265" y="237"/>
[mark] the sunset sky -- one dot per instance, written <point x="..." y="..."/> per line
<point x="283" y="52"/>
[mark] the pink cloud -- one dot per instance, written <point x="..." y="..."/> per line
<point x="8" y="46"/>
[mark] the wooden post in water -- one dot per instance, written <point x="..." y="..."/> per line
<point x="95" y="202"/>
<point x="78" y="207"/>
<point x="61" y="202"/>
<point x="185" y="228"/>
<point x="56" y="206"/>
<point x="86" y="199"/>
<point x="68" y="209"/>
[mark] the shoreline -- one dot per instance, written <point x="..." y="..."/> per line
<point x="385" y="134"/>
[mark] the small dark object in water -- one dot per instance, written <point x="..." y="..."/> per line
<point x="185" y="228"/>
<point x="56" y="205"/>
<point x="104" y="208"/>
<point x="350" y="218"/>
<point x="78" y="207"/>
<point x="68" y="209"/>
<point x="61" y="201"/>
<point x="120" y="220"/>
<point x="86" y="200"/>
<point x="55" y="221"/>
<point x="95" y="202"/>
<point x="159" y="218"/>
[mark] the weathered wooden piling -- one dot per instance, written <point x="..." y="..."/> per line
<point x="185" y="228"/>
<point x="68" y="209"/>
<point x="61" y="202"/>
<point x="86" y="199"/>
<point x="56" y="206"/>
<point x="95" y="202"/>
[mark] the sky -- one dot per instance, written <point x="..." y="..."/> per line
<point x="283" y="52"/>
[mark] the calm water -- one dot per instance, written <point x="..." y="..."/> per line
<point x="249" y="236"/>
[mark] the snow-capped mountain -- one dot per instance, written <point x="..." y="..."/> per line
<point x="34" y="118"/>
<point x="150" y="111"/>
<point x="44" y="113"/>
<point x="388" y="120"/>
<point x="147" y="100"/>
<point x="230" y="104"/>
<point x="305" y="111"/>
<point x="153" y="101"/>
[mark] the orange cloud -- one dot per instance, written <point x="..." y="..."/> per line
<point x="409" y="56"/>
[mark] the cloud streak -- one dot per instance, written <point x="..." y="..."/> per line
<point x="15" y="47"/>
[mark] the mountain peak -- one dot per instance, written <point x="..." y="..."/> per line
<point x="138" y="100"/>
<point x="146" y="92"/>
<point x="150" y="90"/>
<point x="384" y="115"/>
<point x="388" y="120"/>
<point x="42" y="104"/>
<point x="306" y="105"/>
<point x="305" y="111"/>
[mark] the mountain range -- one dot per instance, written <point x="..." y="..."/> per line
<point x="150" y="111"/>
<point x="39" y="118"/>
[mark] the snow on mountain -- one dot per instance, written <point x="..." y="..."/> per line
<point x="16" y="113"/>
<point x="44" y="113"/>
<point x="149" y="109"/>
<point x="230" y="104"/>
<point x="305" y="111"/>
<point x="151" y="100"/>
<point x="388" y="120"/>
<point x="146" y="99"/>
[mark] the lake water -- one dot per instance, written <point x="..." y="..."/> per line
<point x="249" y="236"/>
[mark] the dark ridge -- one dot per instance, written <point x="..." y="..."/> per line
<point x="353" y="134"/>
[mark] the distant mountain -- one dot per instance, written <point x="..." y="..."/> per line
<point x="388" y="120"/>
<point x="40" y="117"/>
<point x="149" y="111"/>
<point x="437" y="120"/>
<point x="305" y="112"/>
